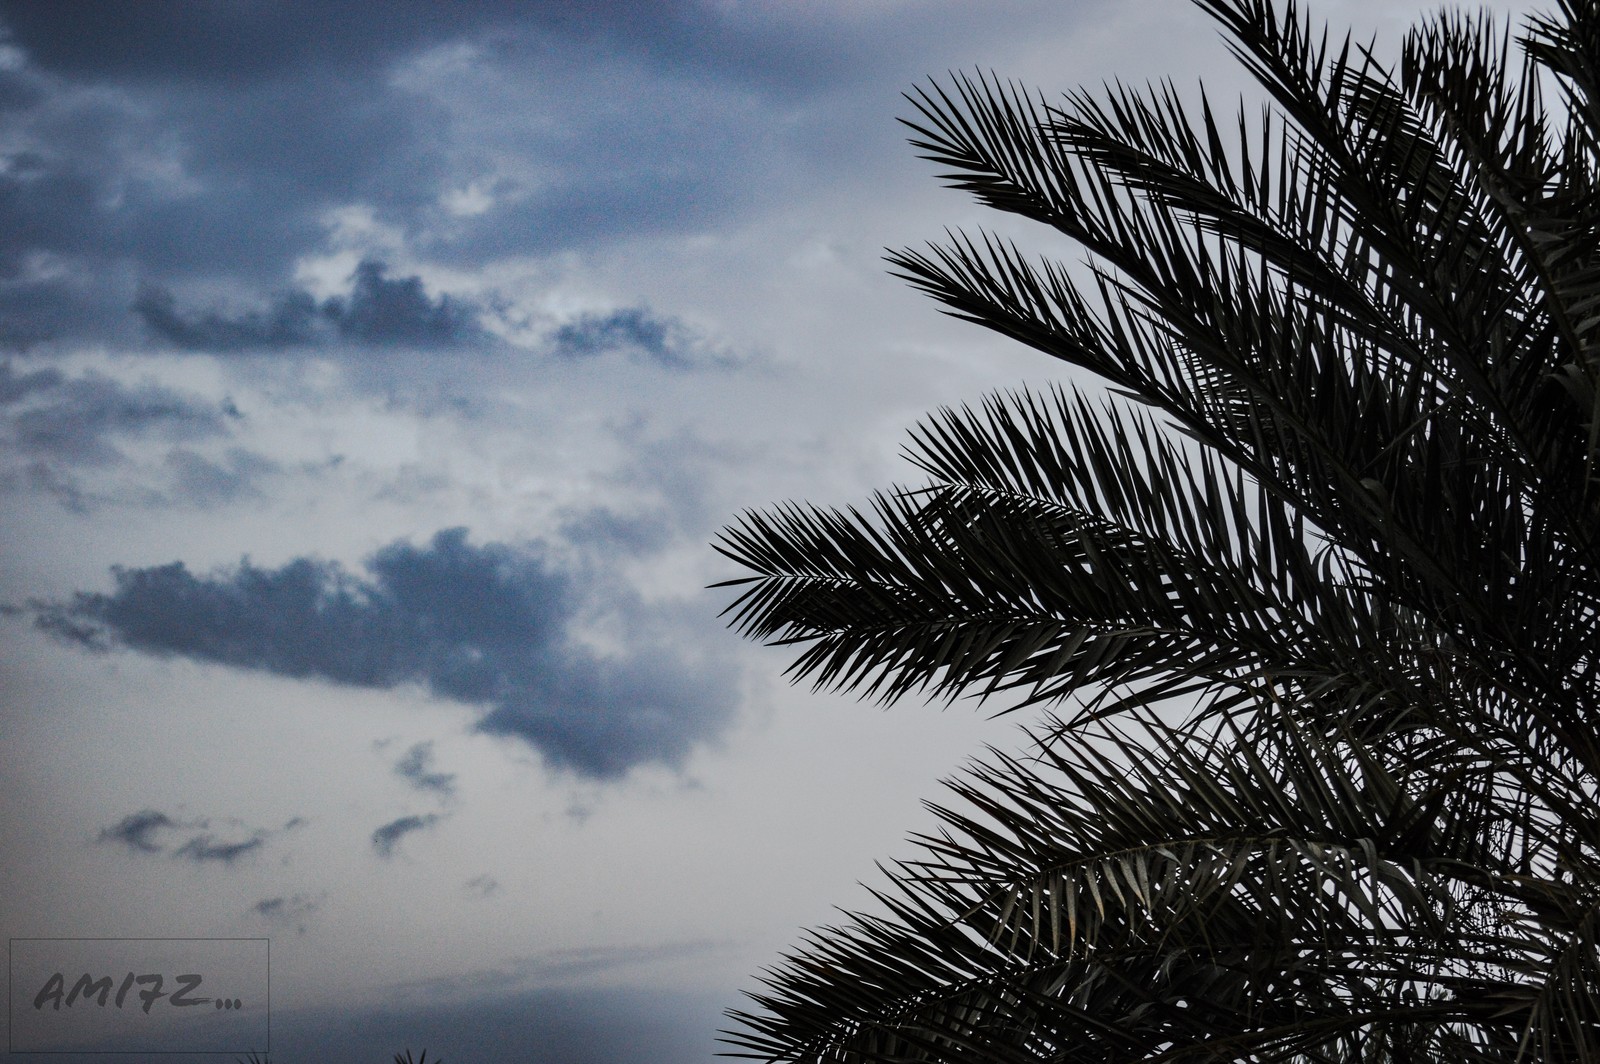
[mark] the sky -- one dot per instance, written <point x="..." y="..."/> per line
<point x="374" y="379"/>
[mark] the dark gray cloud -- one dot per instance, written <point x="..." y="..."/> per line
<point x="55" y="430"/>
<point x="82" y="211"/>
<point x="494" y="626"/>
<point x="77" y="419"/>
<point x="207" y="42"/>
<point x="399" y="312"/>
<point x="206" y="144"/>
<point x="14" y="386"/>
<point x="632" y="329"/>
<point x="290" y="322"/>
<point x="101" y="186"/>
<point x="293" y="910"/>
<point x="381" y="311"/>
<point x="137" y="830"/>
<point x="386" y="838"/>
<point x="223" y="45"/>
<point x="203" y="848"/>
<point x="275" y="908"/>
<point x="414" y="769"/>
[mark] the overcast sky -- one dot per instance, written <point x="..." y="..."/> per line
<point x="373" y="379"/>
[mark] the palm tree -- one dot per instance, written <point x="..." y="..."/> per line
<point x="1313" y="595"/>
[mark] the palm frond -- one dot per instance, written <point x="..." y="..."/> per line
<point x="1157" y="895"/>
<point x="1344" y="510"/>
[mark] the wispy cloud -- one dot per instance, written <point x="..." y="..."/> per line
<point x="203" y="848"/>
<point x="492" y="625"/>
<point x="200" y="481"/>
<point x="385" y="311"/>
<point x="137" y="830"/>
<point x="274" y="908"/>
<point x="413" y="768"/>
<point x="632" y="330"/>
<point x="552" y="968"/>
<point x="558" y="1025"/>
<point x="76" y="420"/>
<point x="139" y="833"/>
<point x="386" y="838"/>
<point x="292" y="910"/>
<point x="66" y="435"/>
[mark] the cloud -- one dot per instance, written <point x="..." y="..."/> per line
<point x="221" y="45"/>
<point x="661" y="494"/>
<point x="413" y="767"/>
<point x="379" y="311"/>
<point x="384" y="312"/>
<point x="75" y="420"/>
<point x="288" y="911"/>
<point x="494" y="625"/>
<point x="136" y="830"/>
<point x="605" y="528"/>
<point x="275" y="908"/>
<point x="483" y="886"/>
<point x="634" y="330"/>
<point x="56" y="430"/>
<point x="102" y="183"/>
<point x="203" y="848"/>
<point x="289" y="322"/>
<point x="14" y="386"/>
<point x="211" y="143"/>
<point x="200" y="481"/>
<point x="557" y="1025"/>
<point x="551" y="968"/>
<point x="387" y="837"/>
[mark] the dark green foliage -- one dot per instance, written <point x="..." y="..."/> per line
<point x="1343" y="500"/>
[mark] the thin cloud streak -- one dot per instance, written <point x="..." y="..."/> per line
<point x="387" y="837"/>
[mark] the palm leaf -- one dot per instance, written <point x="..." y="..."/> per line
<point x="1131" y="895"/>
<point x="1342" y="514"/>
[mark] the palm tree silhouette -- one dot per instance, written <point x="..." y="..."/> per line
<point x="1312" y="593"/>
